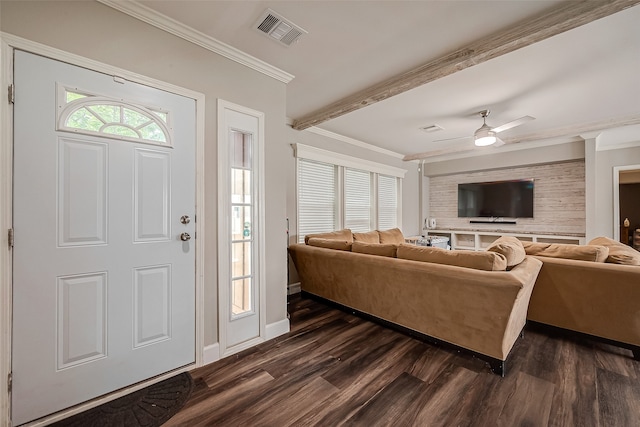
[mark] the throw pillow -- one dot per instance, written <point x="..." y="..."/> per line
<point x="489" y="261"/>
<point x="333" y="235"/>
<point x="341" y="245"/>
<point x="368" y="237"/>
<point x="393" y="236"/>
<point x="594" y="253"/>
<point x="619" y="253"/>
<point x="374" y="249"/>
<point x="511" y="248"/>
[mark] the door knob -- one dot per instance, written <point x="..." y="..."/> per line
<point x="185" y="236"/>
<point x="185" y="219"/>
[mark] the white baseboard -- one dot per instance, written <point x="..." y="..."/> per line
<point x="294" y="288"/>
<point x="276" y="329"/>
<point x="211" y="354"/>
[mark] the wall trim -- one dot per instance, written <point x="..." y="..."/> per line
<point x="8" y="43"/>
<point x="294" y="288"/>
<point x="169" y="25"/>
<point x="276" y="329"/>
<point x="326" y="156"/>
<point x="353" y="141"/>
<point x="211" y="353"/>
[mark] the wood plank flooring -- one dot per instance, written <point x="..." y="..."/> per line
<point x="336" y="369"/>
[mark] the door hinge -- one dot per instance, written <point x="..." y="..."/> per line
<point x="9" y="382"/>
<point x="10" y="237"/>
<point x="12" y="93"/>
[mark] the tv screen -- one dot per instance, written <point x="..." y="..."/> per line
<point x="510" y="199"/>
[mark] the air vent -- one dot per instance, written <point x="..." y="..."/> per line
<point x="278" y="28"/>
<point x="431" y="128"/>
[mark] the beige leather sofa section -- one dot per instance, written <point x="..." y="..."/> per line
<point x="482" y="311"/>
<point x="594" y="298"/>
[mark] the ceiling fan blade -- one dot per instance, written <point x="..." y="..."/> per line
<point x="512" y="124"/>
<point x="460" y="138"/>
<point x="498" y="143"/>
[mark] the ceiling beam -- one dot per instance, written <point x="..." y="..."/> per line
<point x="566" y="17"/>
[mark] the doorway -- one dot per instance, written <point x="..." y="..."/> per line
<point x="626" y="192"/>
<point x="73" y="148"/>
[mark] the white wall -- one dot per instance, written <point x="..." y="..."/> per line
<point x="98" y="32"/>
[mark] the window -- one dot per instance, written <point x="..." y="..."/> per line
<point x="337" y="191"/>
<point x="82" y="112"/>
<point x="316" y="197"/>
<point x="387" y="202"/>
<point x="357" y="200"/>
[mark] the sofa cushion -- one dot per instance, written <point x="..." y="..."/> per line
<point x="393" y="236"/>
<point x="595" y="253"/>
<point x="345" y="235"/>
<point x="511" y="248"/>
<point x="341" y="245"/>
<point x="381" y="249"/>
<point x="368" y="237"/>
<point x="619" y="253"/>
<point x="490" y="261"/>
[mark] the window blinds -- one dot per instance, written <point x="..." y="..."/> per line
<point x="316" y="198"/>
<point x="357" y="200"/>
<point x="387" y="202"/>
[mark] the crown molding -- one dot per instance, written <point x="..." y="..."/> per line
<point x="163" y="22"/>
<point x="352" y="141"/>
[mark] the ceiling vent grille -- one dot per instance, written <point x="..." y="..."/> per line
<point x="278" y="28"/>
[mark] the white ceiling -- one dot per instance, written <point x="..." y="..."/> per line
<point x="570" y="83"/>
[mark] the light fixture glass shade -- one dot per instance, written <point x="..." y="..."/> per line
<point x="484" y="136"/>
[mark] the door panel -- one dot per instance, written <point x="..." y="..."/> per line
<point x="103" y="288"/>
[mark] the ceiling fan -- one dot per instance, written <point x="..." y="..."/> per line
<point x="486" y="135"/>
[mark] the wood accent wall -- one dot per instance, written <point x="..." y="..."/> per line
<point x="558" y="205"/>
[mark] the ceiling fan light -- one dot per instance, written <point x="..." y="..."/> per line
<point x="484" y="136"/>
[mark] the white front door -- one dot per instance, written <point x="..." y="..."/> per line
<point x="103" y="286"/>
<point x="241" y="230"/>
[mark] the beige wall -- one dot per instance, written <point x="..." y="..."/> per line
<point x="98" y="32"/>
<point x="605" y="161"/>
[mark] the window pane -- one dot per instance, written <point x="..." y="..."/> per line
<point x="240" y="259"/>
<point x="108" y="113"/>
<point x="133" y="118"/>
<point x="240" y="186"/>
<point x="240" y="296"/>
<point x="357" y="200"/>
<point x="241" y="150"/>
<point x="241" y="223"/>
<point x="316" y="198"/>
<point x="153" y="132"/>
<point x="84" y="119"/>
<point x="387" y="202"/>
<point x="120" y="130"/>
<point x="72" y="96"/>
<point x="163" y="116"/>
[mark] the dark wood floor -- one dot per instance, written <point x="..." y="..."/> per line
<point x="336" y="369"/>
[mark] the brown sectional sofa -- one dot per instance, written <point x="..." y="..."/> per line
<point x="478" y="309"/>
<point x="592" y="289"/>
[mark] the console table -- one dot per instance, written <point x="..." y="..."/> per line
<point x="479" y="240"/>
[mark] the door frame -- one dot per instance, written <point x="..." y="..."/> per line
<point x="8" y="44"/>
<point x="616" y="197"/>
<point x="224" y="226"/>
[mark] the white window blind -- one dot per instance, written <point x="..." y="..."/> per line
<point x="387" y="202"/>
<point x="316" y="198"/>
<point x="357" y="200"/>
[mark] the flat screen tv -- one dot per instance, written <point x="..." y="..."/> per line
<point x="498" y="199"/>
